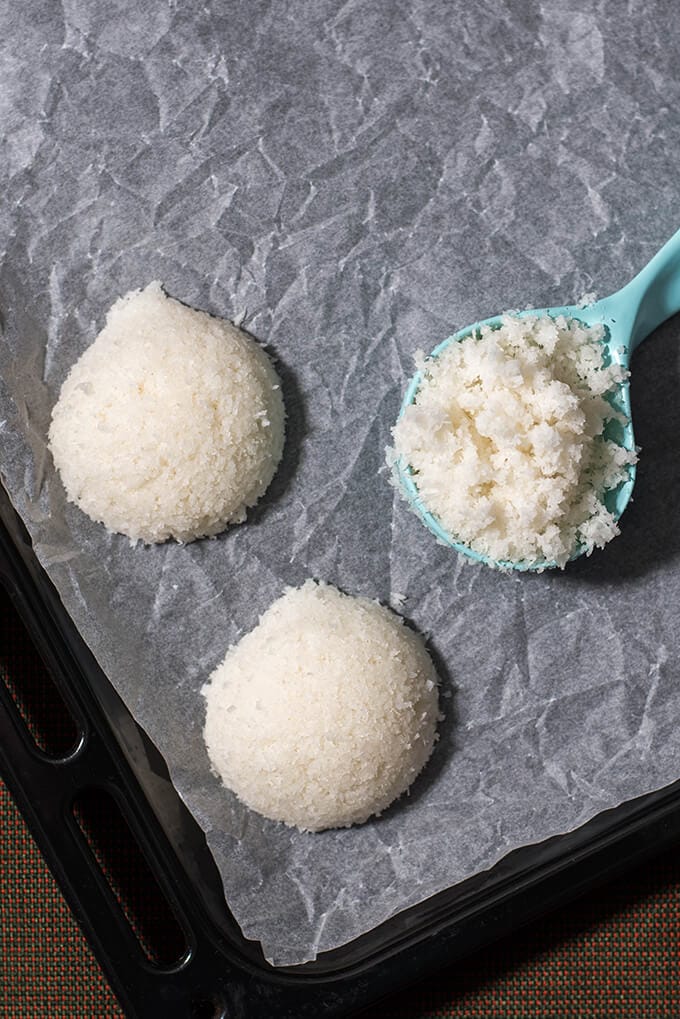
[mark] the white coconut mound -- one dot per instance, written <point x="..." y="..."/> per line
<point x="170" y="425"/>
<point x="324" y="713"/>
<point x="506" y="442"/>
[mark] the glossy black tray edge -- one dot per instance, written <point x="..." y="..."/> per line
<point x="220" y="964"/>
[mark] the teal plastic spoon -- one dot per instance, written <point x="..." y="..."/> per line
<point x="629" y="316"/>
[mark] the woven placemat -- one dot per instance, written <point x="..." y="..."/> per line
<point x="46" y="967"/>
<point x="612" y="955"/>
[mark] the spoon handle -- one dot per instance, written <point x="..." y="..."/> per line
<point x="654" y="294"/>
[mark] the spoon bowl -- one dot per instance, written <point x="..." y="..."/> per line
<point x="628" y="317"/>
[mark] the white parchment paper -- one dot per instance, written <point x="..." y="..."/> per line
<point x="358" y="180"/>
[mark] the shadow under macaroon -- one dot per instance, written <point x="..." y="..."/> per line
<point x="296" y="429"/>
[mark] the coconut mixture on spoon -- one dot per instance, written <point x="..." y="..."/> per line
<point x="514" y="443"/>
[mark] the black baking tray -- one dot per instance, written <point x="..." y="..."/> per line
<point x="221" y="970"/>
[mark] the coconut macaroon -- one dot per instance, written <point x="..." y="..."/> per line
<point x="505" y="439"/>
<point x="324" y="713"/>
<point x="170" y="425"/>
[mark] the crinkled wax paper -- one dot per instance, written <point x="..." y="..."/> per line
<point x="357" y="180"/>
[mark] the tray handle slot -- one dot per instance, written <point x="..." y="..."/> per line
<point x="129" y="877"/>
<point x="45" y="719"/>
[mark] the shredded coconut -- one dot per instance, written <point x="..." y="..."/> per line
<point x="171" y="424"/>
<point x="505" y="439"/>
<point x="325" y="712"/>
